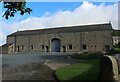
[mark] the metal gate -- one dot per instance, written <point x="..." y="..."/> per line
<point x="55" y="45"/>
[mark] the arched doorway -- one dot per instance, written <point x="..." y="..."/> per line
<point x="55" y="45"/>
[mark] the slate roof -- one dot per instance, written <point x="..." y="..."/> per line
<point x="84" y="28"/>
<point x="7" y="44"/>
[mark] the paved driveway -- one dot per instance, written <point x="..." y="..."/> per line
<point x="20" y="66"/>
<point x="18" y="59"/>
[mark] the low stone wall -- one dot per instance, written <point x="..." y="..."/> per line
<point x="109" y="69"/>
<point x="117" y="56"/>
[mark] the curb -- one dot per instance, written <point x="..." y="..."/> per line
<point x="49" y="65"/>
<point x="56" y="79"/>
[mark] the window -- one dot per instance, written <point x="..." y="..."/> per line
<point x="12" y="49"/>
<point x="47" y="49"/>
<point x="70" y="47"/>
<point x="22" y="47"/>
<point x="63" y="46"/>
<point x="83" y="37"/>
<point x="17" y="48"/>
<point x="84" y="46"/>
<point x="42" y="46"/>
<point x="64" y="49"/>
<point x="31" y="47"/>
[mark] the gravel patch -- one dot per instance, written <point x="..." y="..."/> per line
<point x="27" y="66"/>
<point x="61" y="62"/>
<point x="32" y="67"/>
<point x="32" y="71"/>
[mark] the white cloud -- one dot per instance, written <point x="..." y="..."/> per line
<point x="87" y="13"/>
<point x="2" y="38"/>
<point x="2" y="35"/>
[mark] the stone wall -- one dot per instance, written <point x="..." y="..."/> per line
<point x="4" y="50"/>
<point x="97" y="40"/>
<point x="10" y="39"/>
<point x="94" y="41"/>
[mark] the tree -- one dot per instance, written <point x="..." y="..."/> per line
<point x="116" y="32"/>
<point x="14" y="7"/>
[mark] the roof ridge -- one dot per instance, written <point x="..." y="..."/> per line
<point x="66" y="29"/>
<point x="57" y="27"/>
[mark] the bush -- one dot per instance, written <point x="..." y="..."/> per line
<point x="87" y="55"/>
<point x="113" y="51"/>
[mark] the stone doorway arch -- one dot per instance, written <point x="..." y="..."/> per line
<point x="55" y="45"/>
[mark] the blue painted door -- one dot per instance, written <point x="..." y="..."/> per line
<point x="55" y="45"/>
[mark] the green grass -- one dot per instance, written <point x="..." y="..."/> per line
<point x="81" y="71"/>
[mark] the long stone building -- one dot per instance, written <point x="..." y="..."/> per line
<point x="97" y="37"/>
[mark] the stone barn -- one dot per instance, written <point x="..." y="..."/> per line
<point x="97" y="37"/>
<point x="116" y="40"/>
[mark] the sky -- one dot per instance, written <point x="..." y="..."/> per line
<point x="58" y="14"/>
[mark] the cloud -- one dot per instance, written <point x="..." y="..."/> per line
<point x="2" y="35"/>
<point x="87" y="13"/>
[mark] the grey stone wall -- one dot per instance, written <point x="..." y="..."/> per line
<point x="4" y="49"/>
<point x="94" y="41"/>
<point x="10" y="39"/>
<point x="97" y="40"/>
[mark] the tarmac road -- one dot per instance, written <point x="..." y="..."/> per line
<point x="18" y="59"/>
<point x="16" y="65"/>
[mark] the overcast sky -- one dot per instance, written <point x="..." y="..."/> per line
<point x="55" y="14"/>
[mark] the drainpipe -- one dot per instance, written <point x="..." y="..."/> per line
<point x="28" y="43"/>
<point x="15" y="44"/>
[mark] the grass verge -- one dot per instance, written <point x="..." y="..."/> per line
<point x="82" y="71"/>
